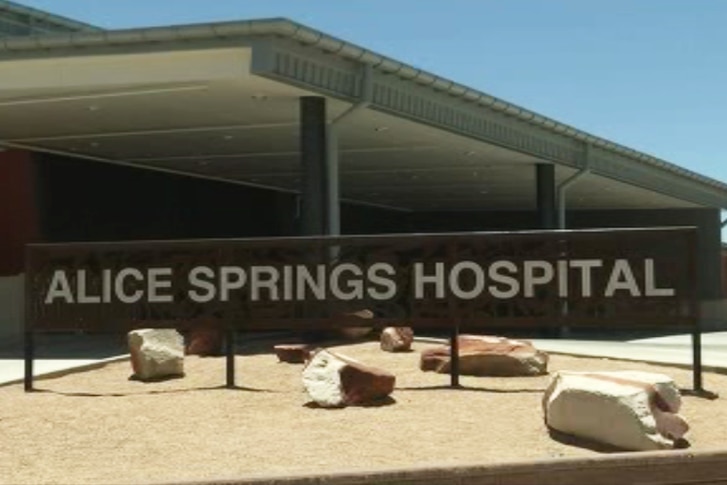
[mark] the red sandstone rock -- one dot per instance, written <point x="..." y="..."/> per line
<point x="292" y="353"/>
<point x="397" y="339"/>
<point x="356" y="332"/>
<point x="633" y="410"/>
<point x="488" y="356"/>
<point x="205" y="341"/>
<point x="334" y="380"/>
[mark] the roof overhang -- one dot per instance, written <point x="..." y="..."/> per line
<point x="39" y="21"/>
<point x="221" y="101"/>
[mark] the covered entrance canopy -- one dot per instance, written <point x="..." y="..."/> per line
<point x="222" y="101"/>
<point x="240" y="102"/>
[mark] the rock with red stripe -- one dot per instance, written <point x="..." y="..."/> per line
<point x="631" y="410"/>
<point x="205" y="341"/>
<point x="335" y="380"/>
<point x="485" y="355"/>
<point x="397" y="339"/>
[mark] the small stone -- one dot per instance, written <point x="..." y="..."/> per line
<point x="292" y="353"/>
<point x="205" y="341"/>
<point x="397" y="339"/>
<point x="355" y="332"/>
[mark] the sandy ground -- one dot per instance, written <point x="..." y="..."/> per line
<point x="100" y="427"/>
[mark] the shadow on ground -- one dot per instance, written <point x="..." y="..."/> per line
<point x="149" y="392"/>
<point x="385" y="401"/>
<point x="471" y="389"/>
<point x="570" y="440"/>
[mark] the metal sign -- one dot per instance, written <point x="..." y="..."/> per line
<point x="606" y="278"/>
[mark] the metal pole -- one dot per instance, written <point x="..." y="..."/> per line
<point x="454" y="315"/>
<point x="454" y="356"/>
<point x="332" y="172"/>
<point x="563" y="187"/>
<point x="28" y="355"/>
<point x="696" y="311"/>
<point x="695" y="320"/>
<point x="697" y="360"/>
<point x="230" y="357"/>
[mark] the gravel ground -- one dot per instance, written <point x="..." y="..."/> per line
<point x="99" y="427"/>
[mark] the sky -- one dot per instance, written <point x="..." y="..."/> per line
<point x="649" y="74"/>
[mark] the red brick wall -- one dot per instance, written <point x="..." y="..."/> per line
<point x="19" y="222"/>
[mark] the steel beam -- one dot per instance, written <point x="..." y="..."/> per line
<point x="545" y="195"/>
<point x="315" y="189"/>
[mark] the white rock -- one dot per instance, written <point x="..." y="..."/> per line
<point x="156" y="353"/>
<point x="632" y="410"/>
<point x="322" y="379"/>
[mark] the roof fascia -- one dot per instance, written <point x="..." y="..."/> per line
<point x="293" y="63"/>
<point x="47" y="17"/>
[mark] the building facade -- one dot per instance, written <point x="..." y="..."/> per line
<point x="270" y="128"/>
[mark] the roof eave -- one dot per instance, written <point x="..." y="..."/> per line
<point x="282" y="27"/>
<point x="58" y="20"/>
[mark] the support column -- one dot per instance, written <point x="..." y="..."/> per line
<point x="315" y="190"/>
<point x="546" y="207"/>
<point x="545" y="190"/>
<point x="333" y="202"/>
<point x="21" y="217"/>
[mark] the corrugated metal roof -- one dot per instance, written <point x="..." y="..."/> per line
<point x="21" y="20"/>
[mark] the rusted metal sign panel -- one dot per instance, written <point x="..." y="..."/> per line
<point x="623" y="277"/>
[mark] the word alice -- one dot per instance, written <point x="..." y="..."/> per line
<point x="464" y="280"/>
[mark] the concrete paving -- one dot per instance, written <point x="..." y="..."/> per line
<point x="61" y="353"/>
<point x="12" y="370"/>
<point x="674" y="349"/>
<point x="58" y="354"/>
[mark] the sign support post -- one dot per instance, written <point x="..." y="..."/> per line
<point x="454" y="356"/>
<point x="230" y="357"/>
<point x="28" y="355"/>
<point x="697" y="360"/>
<point x="696" y="323"/>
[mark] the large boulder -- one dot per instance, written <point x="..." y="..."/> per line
<point x="156" y="353"/>
<point x="631" y="410"/>
<point x="334" y="380"/>
<point x="488" y="356"/>
<point x="397" y="339"/>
